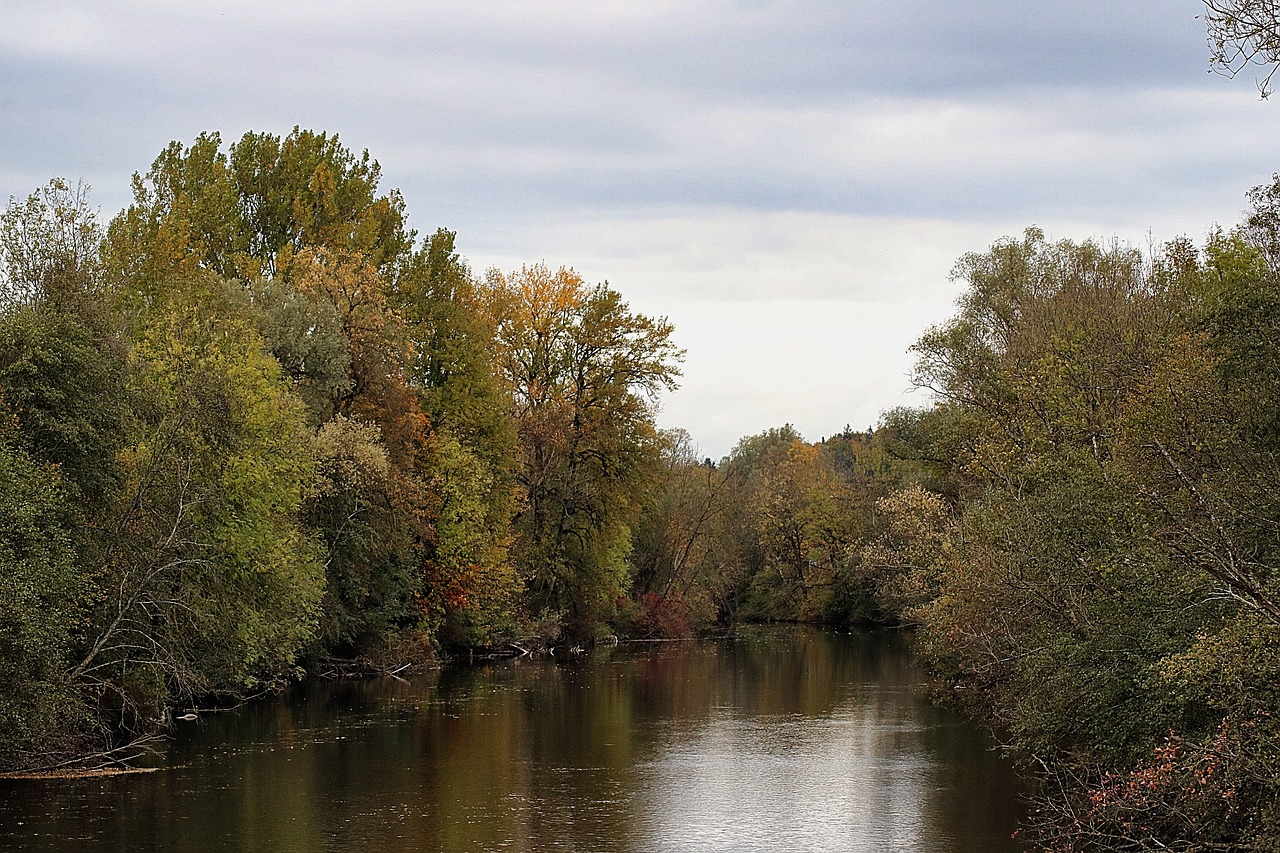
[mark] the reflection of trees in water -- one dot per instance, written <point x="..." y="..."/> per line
<point x="618" y="749"/>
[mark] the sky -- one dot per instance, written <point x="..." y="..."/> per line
<point x="788" y="181"/>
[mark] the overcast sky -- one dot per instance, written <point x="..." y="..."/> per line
<point x="789" y="182"/>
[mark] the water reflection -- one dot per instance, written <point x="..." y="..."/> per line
<point x="779" y="739"/>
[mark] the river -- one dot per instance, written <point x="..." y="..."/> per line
<point x="779" y="739"/>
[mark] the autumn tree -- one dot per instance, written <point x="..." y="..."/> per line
<point x="208" y="583"/>
<point x="907" y="560"/>
<point x="804" y="527"/>
<point x="791" y="521"/>
<point x="582" y="371"/>
<point x="472" y="582"/>
<point x="377" y="337"/>
<point x="1049" y="348"/>
<point x="1198" y="458"/>
<point x="249" y="211"/>
<point x="676" y="579"/>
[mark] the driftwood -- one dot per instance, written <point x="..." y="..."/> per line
<point x="111" y="762"/>
<point x="362" y="668"/>
<point x="74" y="773"/>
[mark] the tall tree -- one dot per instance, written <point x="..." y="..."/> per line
<point x="472" y="582"/>
<point x="250" y="211"/>
<point x="582" y="371"/>
<point x="299" y="224"/>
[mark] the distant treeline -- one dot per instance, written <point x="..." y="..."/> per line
<point x="256" y="426"/>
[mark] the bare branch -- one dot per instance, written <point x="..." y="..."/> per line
<point x="1243" y="33"/>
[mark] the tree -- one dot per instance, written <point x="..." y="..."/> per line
<point x="1244" y="33"/>
<point x="674" y="570"/>
<point x="206" y="581"/>
<point x="298" y="225"/>
<point x="63" y="360"/>
<point x="250" y="211"/>
<point x="581" y="370"/>
<point x="1058" y="573"/>
<point x="306" y="333"/>
<point x="372" y="571"/>
<point x="453" y="365"/>
<point x="804" y="526"/>
<point x="472" y="583"/>
<point x="48" y="244"/>
<point x="784" y="529"/>
<point x="1105" y="579"/>
<point x="41" y="599"/>
<point x="906" y="562"/>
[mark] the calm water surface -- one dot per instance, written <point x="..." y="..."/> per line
<point x="779" y="739"/>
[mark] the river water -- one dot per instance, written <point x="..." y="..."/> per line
<point x="780" y="739"/>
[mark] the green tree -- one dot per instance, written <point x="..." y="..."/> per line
<point x="1045" y="358"/>
<point x="372" y="572"/>
<point x="471" y="580"/>
<point x="208" y="583"/>
<point x="299" y="223"/>
<point x="63" y="368"/>
<point x="250" y="211"/>
<point x="41" y="596"/>
<point x="304" y="331"/>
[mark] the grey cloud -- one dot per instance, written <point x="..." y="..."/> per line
<point x="554" y="106"/>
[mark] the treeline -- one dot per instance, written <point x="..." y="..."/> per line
<point x="255" y="424"/>
<point x="1093" y="557"/>
<point x="1086" y="538"/>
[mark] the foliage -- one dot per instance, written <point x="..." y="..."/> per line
<point x="677" y="579"/>
<point x="258" y="420"/>
<point x="48" y="244"/>
<point x="208" y="582"/>
<point x="370" y="571"/>
<point x="40" y="596"/>
<point x="258" y="423"/>
<point x="1088" y="549"/>
<point x="304" y="331"/>
<point x="249" y="211"/>
<point x="470" y="578"/>
<point x="580" y="368"/>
